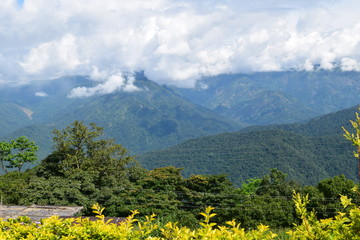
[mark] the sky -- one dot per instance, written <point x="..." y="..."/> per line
<point x="173" y="41"/>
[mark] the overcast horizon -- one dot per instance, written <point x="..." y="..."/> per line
<point x="173" y="41"/>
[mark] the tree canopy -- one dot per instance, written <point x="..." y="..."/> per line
<point x="80" y="148"/>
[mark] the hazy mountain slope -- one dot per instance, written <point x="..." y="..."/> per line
<point x="328" y="124"/>
<point x="151" y="118"/>
<point x="267" y="107"/>
<point x="276" y="97"/>
<point x="322" y="90"/>
<point x="41" y="134"/>
<point x="12" y="117"/>
<point x="45" y="98"/>
<point x="308" y="152"/>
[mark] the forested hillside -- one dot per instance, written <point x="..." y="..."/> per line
<point x="308" y="152"/>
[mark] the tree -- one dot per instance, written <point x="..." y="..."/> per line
<point x="80" y="149"/>
<point x="355" y="139"/>
<point x="16" y="153"/>
<point x="250" y="186"/>
<point x="275" y="184"/>
<point x="5" y="154"/>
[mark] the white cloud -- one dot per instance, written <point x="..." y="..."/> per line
<point x="113" y="83"/>
<point x="41" y="94"/>
<point x="173" y="41"/>
<point x="60" y="56"/>
<point x="349" y="64"/>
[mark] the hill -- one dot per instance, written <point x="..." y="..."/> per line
<point x="305" y="154"/>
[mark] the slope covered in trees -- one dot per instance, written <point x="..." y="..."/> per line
<point x="308" y="152"/>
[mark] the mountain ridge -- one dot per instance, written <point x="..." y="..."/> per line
<point x="264" y="98"/>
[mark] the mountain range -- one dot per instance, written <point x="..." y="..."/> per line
<point x="271" y="108"/>
<point x="265" y="98"/>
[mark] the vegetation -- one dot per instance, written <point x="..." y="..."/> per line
<point x="308" y="152"/>
<point x="355" y="138"/>
<point x="16" y="153"/>
<point x="345" y="225"/>
<point x="85" y="168"/>
<point x="307" y="159"/>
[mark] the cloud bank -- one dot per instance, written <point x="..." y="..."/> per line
<point x="173" y="41"/>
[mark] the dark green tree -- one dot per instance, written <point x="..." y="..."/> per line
<point x="79" y="148"/>
<point x="325" y="196"/>
<point x="276" y="184"/>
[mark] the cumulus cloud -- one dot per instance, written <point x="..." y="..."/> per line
<point x="60" y="56"/>
<point x="173" y="41"/>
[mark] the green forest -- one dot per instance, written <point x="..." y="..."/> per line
<point x="308" y="152"/>
<point x="84" y="169"/>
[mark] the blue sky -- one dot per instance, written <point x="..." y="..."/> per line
<point x="174" y="41"/>
<point x="20" y="2"/>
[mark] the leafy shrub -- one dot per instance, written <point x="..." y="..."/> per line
<point x="345" y="225"/>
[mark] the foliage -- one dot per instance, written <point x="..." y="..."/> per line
<point x="16" y="153"/>
<point x="345" y="225"/>
<point x="174" y="198"/>
<point x="79" y="150"/>
<point x="132" y="228"/>
<point x="13" y="184"/>
<point x="355" y="138"/>
<point x="250" y="186"/>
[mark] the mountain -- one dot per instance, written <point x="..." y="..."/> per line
<point x="157" y="117"/>
<point x="265" y="98"/>
<point x="303" y="151"/>
<point x="150" y="118"/>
